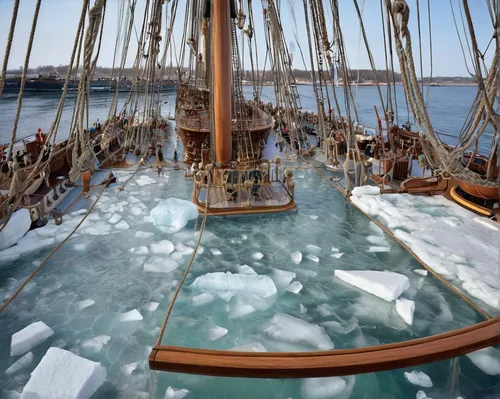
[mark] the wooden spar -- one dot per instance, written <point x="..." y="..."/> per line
<point x="326" y="363"/>
<point x="222" y="78"/>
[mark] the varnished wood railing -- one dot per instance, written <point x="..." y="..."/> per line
<point x="326" y="363"/>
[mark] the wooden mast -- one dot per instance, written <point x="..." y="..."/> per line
<point x="222" y="78"/>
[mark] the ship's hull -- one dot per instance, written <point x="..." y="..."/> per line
<point x="486" y="193"/>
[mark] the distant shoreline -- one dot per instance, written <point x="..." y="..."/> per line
<point x="440" y="84"/>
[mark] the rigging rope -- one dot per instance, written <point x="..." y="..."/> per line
<point x="9" y="45"/>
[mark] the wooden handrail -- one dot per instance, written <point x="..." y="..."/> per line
<point x="326" y="363"/>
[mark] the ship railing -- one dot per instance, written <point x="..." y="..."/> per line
<point x="194" y="122"/>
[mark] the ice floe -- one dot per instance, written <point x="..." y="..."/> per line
<point x="174" y="393"/>
<point x="29" y="337"/>
<point x="173" y="214"/>
<point x="235" y="283"/>
<point x="216" y="332"/>
<point x="52" y="379"/>
<point x="295" y="287"/>
<point x="258" y="255"/>
<point x="240" y="309"/>
<point x="245" y="269"/>
<point x="128" y="369"/>
<point x="21" y="363"/>
<point x="202" y="299"/>
<point x="487" y="359"/>
<point x="337" y="255"/>
<point x="151" y="306"/>
<point x="405" y="309"/>
<point x="327" y="387"/>
<point x="419" y="378"/>
<point x="250" y="347"/>
<point x="296" y="257"/>
<point x="312" y="257"/>
<point x="386" y="285"/>
<point x="422" y="272"/>
<point x="215" y="252"/>
<point x="133" y="315"/>
<point x="16" y="228"/>
<point x="115" y="218"/>
<point x="95" y="344"/>
<point x="282" y="278"/>
<point x="162" y="247"/>
<point x="156" y="264"/>
<point x="84" y="304"/>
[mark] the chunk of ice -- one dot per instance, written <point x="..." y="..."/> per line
<point x="240" y="309"/>
<point x="16" y="228"/>
<point x="95" y="344"/>
<point x="202" y="299"/>
<point x="52" y="380"/>
<point x="245" y="269"/>
<point x="334" y="249"/>
<point x="365" y="190"/>
<point x="151" y="306"/>
<point x="327" y="387"/>
<point x="379" y="249"/>
<point x="405" y="309"/>
<point x="84" y="304"/>
<point x="215" y="252"/>
<point x="143" y="234"/>
<point x="419" y="378"/>
<point x="303" y="309"/>
<point x="174" y="393"/>
<point x="162" y="247"/>
<point x="236" y="283"/>
<point x="173" y="214"/>
<point x="487" y="359"/>
<point x="296" y="257"/>
<point x="244" y="237"/>
<point x="337" y="255"/>
<point x="422" y="272"/>
<point x="216" y="332"/>
<point x="313" y="217"/>
<point x="29" y="337"/>
<point x="142" y="250"/>
<point x="386" y="285"/>
<point x="258" y="255"/>
<point x="123" y="225"/>
<point x="295" y="287"/>
<point x="344" y="327"/>
<point x="292" y="330"/>
<point x="313" y="249"/>
<point x="115" y="218"/>
<point x="133" y="315"/>
<point x="282" y="278"/>
<point x="250" y="347"/>
<point x="136" y="211"/>
<point x="312" y="257"/>
<point x="128" y="369"/>
<point x="422" y="395"/>
<point x="24" y="361"/>
<point x="160" y="265"/>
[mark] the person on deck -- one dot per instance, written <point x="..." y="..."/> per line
<point x="176" y="156"/>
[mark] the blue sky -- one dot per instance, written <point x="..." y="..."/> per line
<point x="59" y="18"/>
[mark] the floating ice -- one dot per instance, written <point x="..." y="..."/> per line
<point x="96" y="344"/>
<point x="216" y="332"/>
<point x="202" y="299"/>
<point x="422" y="395"/>
<point x="405" y="309"/>
<point x="162" y="247"/>
<point x="61" y="374"/>
<point x="313" y="249"/>
<point x="142" y="250"/>
<point x="344" y="327"/>
<point x="133" y="315"/>
<point x="241" y="309"/>
<point x="334" y="249"/>
<point x="419" y="378"/>
<point x="115" y="218"/>
<point x="365" y="190"/>
<point x="151" y="306"/>
<point x="379" y="249"/>
<point x="144" y="180"/>
<point x="386" y="285"/>
<point x="327" y="387"/>
<point x="312" y="257"/>
<point x="174" y="393"/>
<point x="313" y="217"/>
<point x="422" y="272"/>
<point x="183" y="249"/>
<point x="84" y="304"/>
<point x="123" y="225"/>
<point x="29" y="337"/>
<point x="290" y="329"/>
<point x="245" y="269"/>
<point x="303" y="309"/>
<point x="16" y="228"/>
<point x="258" y="255"/>
<point x="215" y="252"/>
<point x="173" y="214"/>
<point x="236" y="283"/>
<point x="160" y="265"/>
<point x="136" y="211"/>
<point x="128" y="369"/>
<point x="296" y="257"/>
<point x="143" y="234"/>
<point x="225" y="296"/>
<point x="250" y="347"/>
<point x="487" y="359"/>
<point x="295" y="287"/>
<point x="282" y="278"/>
<point x="24" y="361"/>
<point x="244" y="237"/>
<point x="337" y="255"/>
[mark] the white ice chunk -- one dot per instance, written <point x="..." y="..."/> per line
<point x="313" y="249"/>
<point x="96" y="344"/>
<point x="244" y="237"/>
<point x="313" y="217"/>
<point x="115" y="218"/>
<point x="405" y="309"/>
<point x="422" y="395"/>
<point x="282" y="278"/>
<point x="84" y="304"/>
<point x="337" y="255"/>
<point x="334" y="249"/>
<point x="327" y="387"/>
<point x="216" y="332"/>
<point x="160" y="265"/>
<point x="225" y="296"/>
<point x="379" y="249"/>
<point x="258" y="255"/>
<point x="133" y="315"/>
<point x="419" y="378"/>
<point x="202" y="299"/>
<point x="128" y="369"/>
<point x="136" y="211"/>
<point x="365" y="190"/>
<point x="236" y="283"/>
<point x="29" y="337"/>
<point x="295" y="287"/>
<point x="173" y="214"/>
<point x="62" y="374"/>
<point x="241" y="309"/>
<point x="250" y="347"/>
<point x="143" y="234"/>
<point x="151" y="306"/>
<point x="422" y="272"/>
<point x="245" y="269"/>
<point x="386" y="285"/>
<point x="215" y="252"/>
<point x="303" y="309"/>
<point x="344" y="327"/>
<point x="487" y="359"/>
<point x="292" y="330"/>
<point x="142" y="250"/>
<point x="312" y="257"/>
<point x="123" y="225"/>
<point x="173" y="393"/>
<point x="24" y="361"/>
<point x="296" y="257"/>
<point x="16" y="228"/>
<point x="162" y="247"/>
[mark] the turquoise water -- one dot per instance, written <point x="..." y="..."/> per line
<point x="103" y="269"/>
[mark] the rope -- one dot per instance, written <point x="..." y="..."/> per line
<point x="181" y="282"/>
<point x="9" y="45"/>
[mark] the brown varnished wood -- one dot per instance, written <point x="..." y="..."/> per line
<point x="326" y="363"/>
